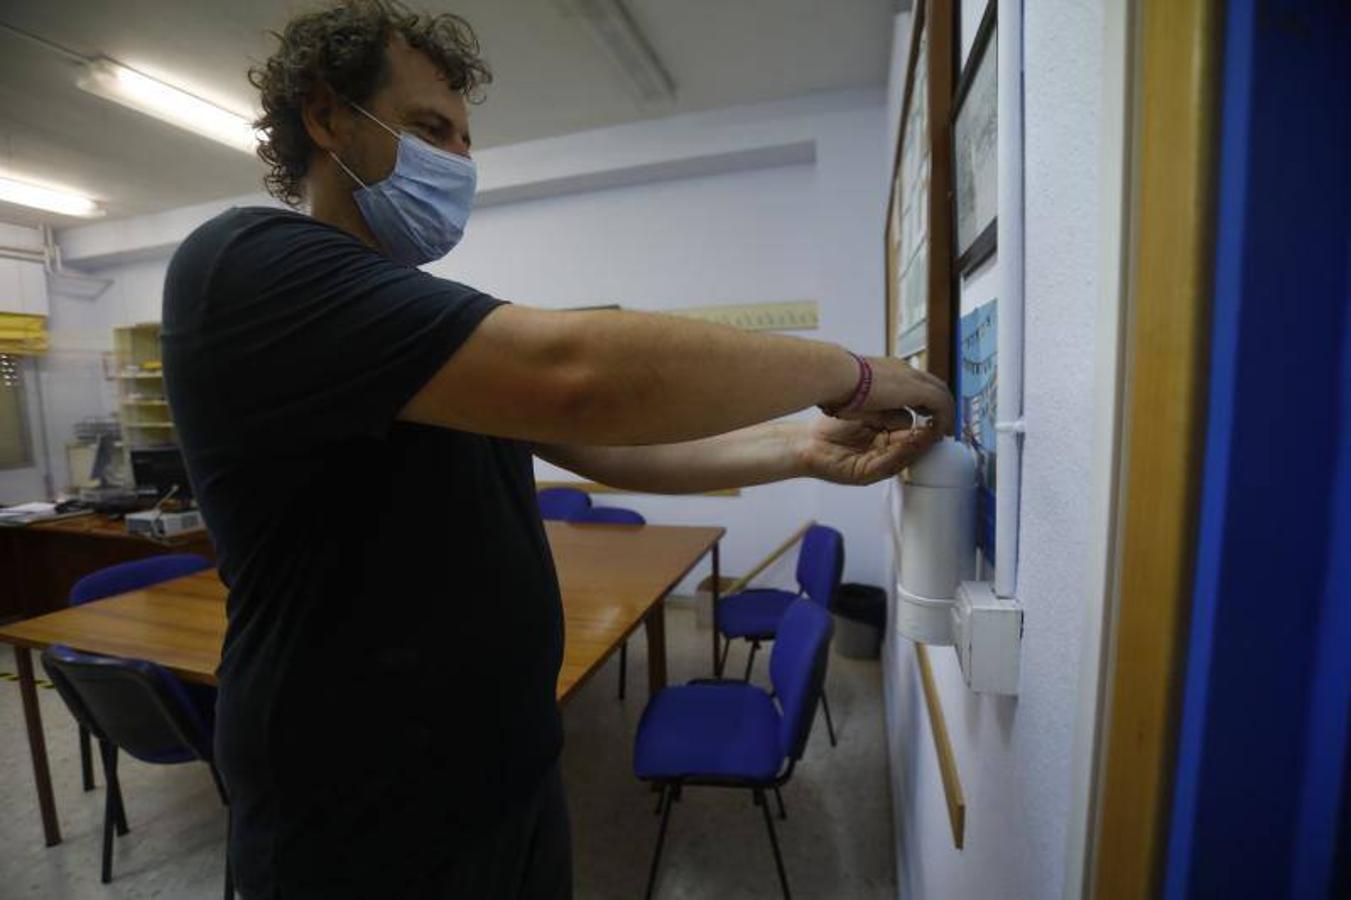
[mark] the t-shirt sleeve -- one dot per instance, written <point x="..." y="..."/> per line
<point x="321" y="338"/>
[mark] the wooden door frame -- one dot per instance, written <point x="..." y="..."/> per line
<point x="1171" y="197"/>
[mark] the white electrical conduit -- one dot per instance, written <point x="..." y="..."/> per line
<point x="24" y="254"/>
<point x="76" y="284"/>
<point x="1009" y="427"/>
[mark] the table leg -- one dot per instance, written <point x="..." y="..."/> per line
<point x="655" y="627"/>
<point x="713" y="613"/>
<point x="37" y="745"/>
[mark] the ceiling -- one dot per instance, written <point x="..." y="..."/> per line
<point x="550" y="78"/>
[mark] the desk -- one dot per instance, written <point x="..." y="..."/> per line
<point x="42" y="561"/>
<point x="613" y="577"/>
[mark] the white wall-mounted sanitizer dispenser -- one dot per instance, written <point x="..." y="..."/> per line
<point x="937" y="541"/>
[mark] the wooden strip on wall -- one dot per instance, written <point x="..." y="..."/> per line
<point x="740" y="584"/>
<point x="1177" y="61"/>
<point x="595" y="487"/>
<point x="947" y="761"/>
<point x="785" y="315"/>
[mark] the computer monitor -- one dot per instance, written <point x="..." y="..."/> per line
<point x="104" y="460"/>
<point x="161" y="468"/>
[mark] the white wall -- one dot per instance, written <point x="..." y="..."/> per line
<point x="21" y="484"/>
<point x="771" y="202"/>
<point x="74" y="386"/>
<point x="1018" y="757"/>
<point x="67" y="383"/>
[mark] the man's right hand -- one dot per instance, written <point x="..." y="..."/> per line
<point x="896" y="386"/>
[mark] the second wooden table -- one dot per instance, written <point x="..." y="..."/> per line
<point x="613" y="577"/>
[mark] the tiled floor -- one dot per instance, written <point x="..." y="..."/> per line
<point x="837" y="841"/>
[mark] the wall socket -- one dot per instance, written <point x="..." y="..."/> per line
<point x="988" y="635"/>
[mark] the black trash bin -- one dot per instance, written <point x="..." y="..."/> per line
<point x="860" y="615"/>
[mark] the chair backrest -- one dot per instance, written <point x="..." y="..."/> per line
<point x="797" y="669"/>
<point x="615" y="515"/>
<point x="562" y="502"/>
<point x="138" y="573"/>
<point x="820" y="563"/>
<point x="135" y="704"/>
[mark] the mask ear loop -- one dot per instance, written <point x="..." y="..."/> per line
<point x="918" y="419"/>
<point x="358" y="108"/>
<point x="343" y="165"/>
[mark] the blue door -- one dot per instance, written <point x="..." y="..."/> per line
<point x="1260" y="804"/>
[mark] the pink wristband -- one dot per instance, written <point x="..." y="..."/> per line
<point x="861" y="389"/>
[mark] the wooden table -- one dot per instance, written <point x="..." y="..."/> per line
<point x="43" y="560"/>
<point x="613" y="577"/>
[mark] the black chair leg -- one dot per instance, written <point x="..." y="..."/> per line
<point x="109" y="810"/>
<point x="86" y="759"/>
<point x="750" y="660"/>
<point x="830" y="726"/>
<point x="670" y="794"/>
<point x="121" y="821"/>
<point x="783" y="813"/>
<point x="623" y="667"/>
<point x="774" y="843"/>
<point x="722" y="661"/>
<point x="115" y="791"/>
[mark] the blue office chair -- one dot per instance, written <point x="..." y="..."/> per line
<point x="141" y="708"/>
<point x="119" y="579"/>
<point x="562" y="502"/>
<point x="720" y="733"/>
<point x="754" y="615"/>
<point x="613" y="515"/>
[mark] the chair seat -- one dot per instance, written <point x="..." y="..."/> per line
<point x="753" y="614"/>
<point x="710" y="730"/>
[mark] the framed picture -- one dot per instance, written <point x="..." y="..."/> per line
<point x="918" y="236"/>
<point x="974" y="133"/>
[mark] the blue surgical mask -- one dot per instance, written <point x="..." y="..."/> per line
<point x="419" y="212"/>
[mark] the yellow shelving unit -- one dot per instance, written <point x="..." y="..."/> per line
<point x="143" y="408"/>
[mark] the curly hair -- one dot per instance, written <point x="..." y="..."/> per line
<point x="343" y="46"/>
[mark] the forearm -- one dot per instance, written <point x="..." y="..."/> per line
<point x="658" y="379"/>
<point x="613" y="378"/>
<point x="755" y="455"/>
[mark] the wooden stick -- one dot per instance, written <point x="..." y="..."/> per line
<point x="740" y="584"/>
<point x="947" y="762"/>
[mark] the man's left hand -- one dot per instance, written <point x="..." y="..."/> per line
<point x="861" y="452"/>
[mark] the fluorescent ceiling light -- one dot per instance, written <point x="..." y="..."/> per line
<point x="153" y="97"/>
<point x="51" y="199"/>
<point x="614" y="30"/>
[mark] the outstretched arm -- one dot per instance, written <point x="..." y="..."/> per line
<point x="835" y="450"/>
<point x="624" y="378"/>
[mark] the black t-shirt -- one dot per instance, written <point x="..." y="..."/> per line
<point x="395" y="629"/>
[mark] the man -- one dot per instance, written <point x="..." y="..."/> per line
<point x="359" y="435"/>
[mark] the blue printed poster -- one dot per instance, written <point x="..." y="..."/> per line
<point x="977" y="388"/>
